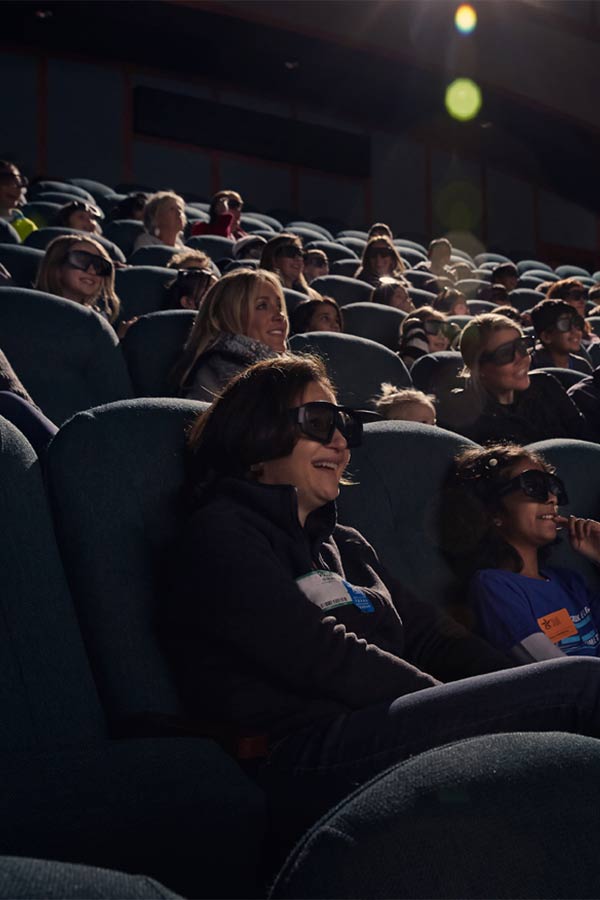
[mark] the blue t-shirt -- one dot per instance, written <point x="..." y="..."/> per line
<point x="508" y="606"/>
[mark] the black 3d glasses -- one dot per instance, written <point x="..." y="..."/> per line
<point x="567" y="322"/>
<point x="10" y="177"/>
<point x="290" y="251"/>
<point x="506" y="353"/>
<point x="537" y="485"/>
<point x="81" y="259"/>
<point x="320" y="420"/>
<point x="380" y="251"/>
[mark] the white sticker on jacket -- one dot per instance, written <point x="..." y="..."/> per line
<point x="327" y="590"/>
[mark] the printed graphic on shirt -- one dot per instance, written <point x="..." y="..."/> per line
<point x="573" y="633"/>
<point x="327" y="590"/>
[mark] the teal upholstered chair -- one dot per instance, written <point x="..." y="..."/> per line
<point x="124" y="233"/>
<point x="70" y="359"/>
<point x="42" y="237"/>
<point x="177" y="809"/>
<point x="154" y="255"/>
<point x="356" y="365"/>
<point x="374" y="321"/>
<point x="333" y="250"/>
<point x="151" y="348"/>
<point x="444" y="823"/>
<point x="22" y="263"/>
<point x="142" y="289"/>
<point x="213" y="245"/>
<point x="398" y="475"/>
<point x="344" y="290"/>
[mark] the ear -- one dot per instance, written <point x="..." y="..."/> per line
<point x="545" y="337"/>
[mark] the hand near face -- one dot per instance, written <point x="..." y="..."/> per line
<point x="584" y="535"/>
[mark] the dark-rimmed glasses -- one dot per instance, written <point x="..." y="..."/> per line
<point x="537" y="485"/>
<point x="82" y="260"/>
<point x="290" y="251"/>
<point x="320" y="420"/>
<point x="8" y="177"/>
<point x="568" y="322"/>
<point x="506" y="353"/>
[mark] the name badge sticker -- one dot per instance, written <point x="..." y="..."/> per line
<point x="328" y="591"/>
<point x="557" y="625"/>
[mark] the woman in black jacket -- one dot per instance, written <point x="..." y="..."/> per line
<point x="284" y="623"/>
<point x="501" y="401"/>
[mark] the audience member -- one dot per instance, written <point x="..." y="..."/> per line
<point x="316" y="264"/>
<point x="506" y="274"/>
<point x="78" y="268"/>
<point x="500" y="401"/>
<point x="405" y="404"/>
<point x="307" y="639"/>
<point x="439" y="254"/>
<point x="17" y="406"/>
<point x="380" y="259"/>
<point x="81" y="215"/>
<point x="242" y="319"/>
<point x="249" y="247"/>
<point x="423" y="331"/>
<point x="378" y="229"/>
<point x="494" y="293"/>
<point x="392" y="292"/>
<point x="461" y="270"/>
<point x="573" y="292"/>
<point x="13" y="187"/>
<point x="501" y="517"/>
<point x="283" y="254"/>
<point x="559" y="329"/>
<point x="164" y="220"/>
<point x="131" y="207"/>
<point x="224" y="213"/>
<point x="316" y="315"/>
<point x="195" y="275"/>
<point x="451" y="302"/>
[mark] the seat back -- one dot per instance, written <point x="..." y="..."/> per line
<point x="151" y="348"/>
<point x="424" y="827"/>
<point x="8" y="235"/>
<point x="71" y="359"/>
<point x="399" y="473"/>
<point x="22" y="263"/>
<point x="345" y="267"/>
<point x="42" y="237"/>
<point x="411" y="257"/>
<point x="142" y="289"/>
<point x="155" y="255"/>
<point x="524" y="298"/>
<point x="495" y="258"/>
<point x="527" y="265"/>
<point x="470" y="287"/>
<point x="421" y="298"/>
<point x="375" y="322"/>
<point x="293" y="298"/>
<point x="357" y="366"/>
<point x="571" y="271"/>
<point x="578" y="464"/>
<point x="42" y="212"/>
<point x="73" y="191"/>
<point x="333" y="250"/>
<point x="344" y="290"/>
<point x="567" y="377"/>
<point x="306" y="232"/>
<point x="215" y="246"/>
<point x="124" y="233"/>
<point x="47" y="695"/>
<point x="115" y="537"/>
<point x="437" y="373"/>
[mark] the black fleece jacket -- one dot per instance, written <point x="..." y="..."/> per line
<point x="248" y="647"/>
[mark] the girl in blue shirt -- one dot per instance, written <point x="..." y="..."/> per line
<point x="504" y="511"/>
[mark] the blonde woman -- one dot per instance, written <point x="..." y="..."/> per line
<point x="164" y="220"/>
<point x="242" y="320"/>
<point x="501" y="401"/>
<point x="380" y="259"/>
<point x="78" y="268"/>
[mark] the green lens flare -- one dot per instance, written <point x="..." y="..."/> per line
<point x="463" y="99"/>
<point x="465" y="18"/>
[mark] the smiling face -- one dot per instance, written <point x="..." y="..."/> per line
<point x="527" y="524"/>
<point x="381" y="259"/>
<point x="400" y="299"/>
<point x="290" y="263"/>
<point x="10" y="189"/>
<point x="437" y="342"/>
<point x="82" y="287"/>
<point x="314" y="469"/>
<point x="562" y="342"/>
<point x="266" y="321"/>
<point x="503" y="381"/>
<point x="83" y="220"/>
<point x="324" y="318"/>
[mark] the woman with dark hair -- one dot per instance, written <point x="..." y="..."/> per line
<point x="379" y="228"/>
<point x="451" y="302"/>
<point x="131" y="207"/>
<point x="501" y="514"/>
<point x="283" y="254"/>
<point x="501" y="401"/>
<point x="295" y="631"/>
<point x="381" y="258"/>
<point x="317" y="315"/>
<point x="393" y="292"/>
<point x="224" y="213"/>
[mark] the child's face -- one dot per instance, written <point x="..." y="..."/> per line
<point x="415" y="411"/>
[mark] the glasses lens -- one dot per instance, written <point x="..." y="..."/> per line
<point x="290" y="252"/>
<point x="317" y="421"/>
<point x="350" y="427"/>
<point x="432" y="326"/>
<point x="381" y="251"/>
<point x="539" y="485"/>
<point x="234" y="204"/>
<point x="505" y="353"/>
<point x="81" y="259"/>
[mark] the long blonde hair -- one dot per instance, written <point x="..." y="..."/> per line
<point x="49" y="274"/>
<point x="474" y="338"/>
<point x="225" y="308"/>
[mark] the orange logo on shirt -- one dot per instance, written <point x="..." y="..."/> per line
<point x="557" y="625"/>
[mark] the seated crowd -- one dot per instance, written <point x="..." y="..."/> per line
<point x="323" y="650"/>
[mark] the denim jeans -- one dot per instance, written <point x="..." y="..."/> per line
<point x="556" y="695"/>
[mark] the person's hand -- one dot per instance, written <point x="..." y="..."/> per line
<point x="125" y="326"/>
<point x="4" y="274"/>
<point x="584" y="535"/>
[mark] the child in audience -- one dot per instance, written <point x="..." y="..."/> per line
<point x="451" y="302"/>
<point x="379" y="228"/>
<point x="164" y="220"/>
<point x="575" y="293"/>
<point x="316" y="264"/>
<point x="507" y="275"/>
<point x="242" y="319"/>
<point x="502" y="513"/>
<point x="249" y="247"/>
<point x="406" y="404"/>
<point x="393" y="292"/>
<point x="316" y="315"/>
<point x="195" y="275"/>
<point x="439" y="255"/>
<point x="501" y="402"/>
<point x="79" y="269"/>
<point x="559" y="329"/>
<point x="423" y="331"/>
<point x="131" y="207"/>
<point x="381" y="258"/>
<point x="224" y="213"/>
<point x="283" y="254"/>
<point x="81" y="215"/>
